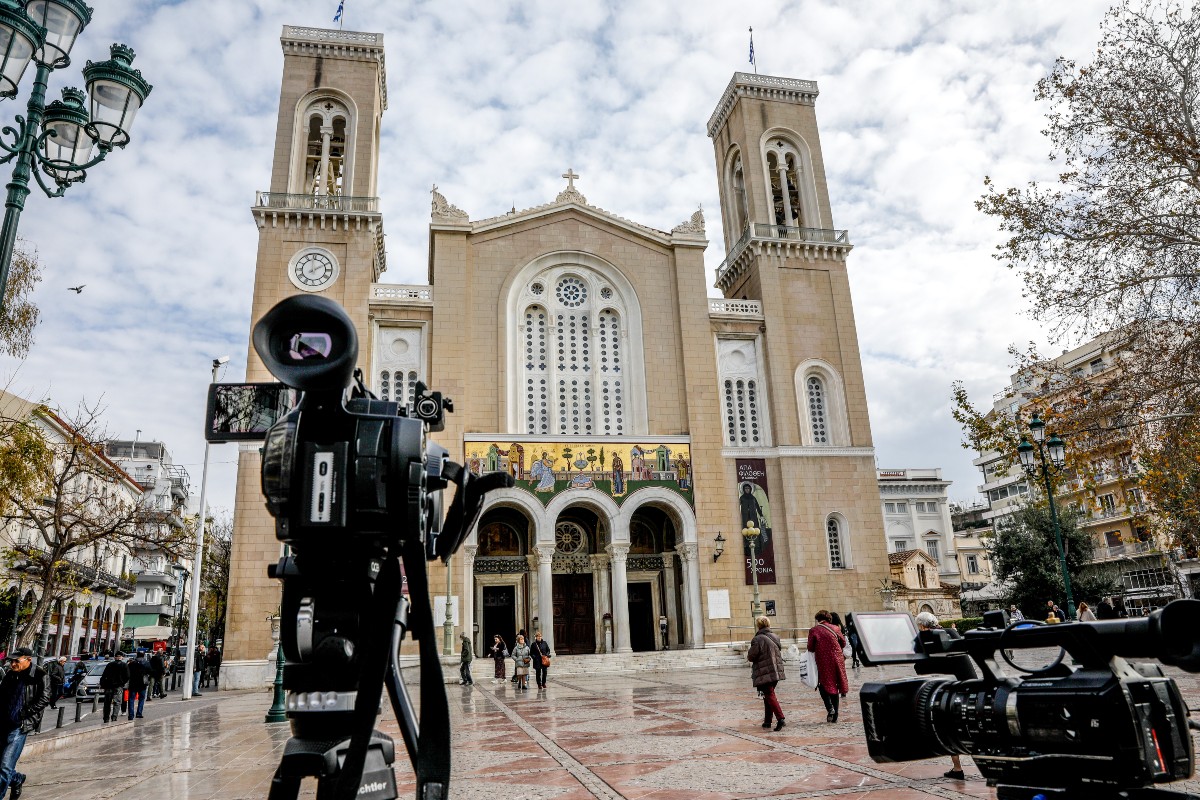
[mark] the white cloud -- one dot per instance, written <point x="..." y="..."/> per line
<point x="493" y="100"/>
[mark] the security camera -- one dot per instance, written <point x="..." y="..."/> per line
<point x="220" y="361"/>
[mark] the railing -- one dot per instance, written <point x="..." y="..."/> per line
<point x="736" y="308"/>
<point x="317" y="202"/>
<point x="781" y="233"/>
<point x="1124" y="549"/>
<point x="326" y="35"/>
<point x="395" y="291"/>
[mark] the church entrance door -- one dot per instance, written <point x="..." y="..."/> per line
<point x="574" y="624"/>
<point x="641" y="617"/>
<point x="499" y="616"/>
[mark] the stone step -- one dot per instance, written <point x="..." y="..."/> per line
<point x="612" y="663"/>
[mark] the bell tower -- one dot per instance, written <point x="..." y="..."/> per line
<point x="319" y="230"/>
<point x="783" y="251"/>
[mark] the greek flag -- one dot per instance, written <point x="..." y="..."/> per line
<point x="751" y="44"/>
<point x="338" y="16"/>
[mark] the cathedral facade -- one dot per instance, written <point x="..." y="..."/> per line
<point x="646" y="424"/>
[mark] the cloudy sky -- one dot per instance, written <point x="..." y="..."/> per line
<point x="493" y="100"/>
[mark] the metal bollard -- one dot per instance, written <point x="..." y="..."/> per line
<point x="78" y="709"/>
<point x="61" y="711"/>
<point x="95" y="700"/>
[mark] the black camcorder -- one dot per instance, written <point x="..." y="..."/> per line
<point x="1091" y="723"/>
<point x="355" y="487"/>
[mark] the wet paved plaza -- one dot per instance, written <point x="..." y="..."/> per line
<point x="646" y="735"/>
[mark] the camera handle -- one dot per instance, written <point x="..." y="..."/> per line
<point x="1007" y="792"/>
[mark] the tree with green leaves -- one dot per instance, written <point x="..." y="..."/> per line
<point x="1025" y="560"/>
<point x="214" y="586"/>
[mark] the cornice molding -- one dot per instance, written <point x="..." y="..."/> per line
<point x="760" y="87"/>
<point x="794" y="451"/>
<point x="352" y="45"/>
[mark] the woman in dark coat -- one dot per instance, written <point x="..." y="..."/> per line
<point x="498" y="652"/>
<point x="768" y="670"/>
<point x="825" y="642"/>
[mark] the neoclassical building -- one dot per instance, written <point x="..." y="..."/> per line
<point x="645" y="422"/>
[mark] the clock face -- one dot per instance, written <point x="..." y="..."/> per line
<point x="313" y="271"/>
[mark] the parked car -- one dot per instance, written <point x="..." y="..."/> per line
<point x="90" y="685"/>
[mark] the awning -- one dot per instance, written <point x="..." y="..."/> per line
<point x="152" y="632"/>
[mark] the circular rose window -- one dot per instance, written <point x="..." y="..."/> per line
<point x="568" y="538"/>
<point x="571" y="292"/>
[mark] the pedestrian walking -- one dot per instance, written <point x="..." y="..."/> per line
<point x="57" y="671"/>
<point x="1014" y="614"/>
<point x="197" y="669"/>
<point x="1053" y="610"/>
<point x="767" y="659"/>
<point x="961" y="667"/>
<point x="24" y="694"/>
<point x="112" y="684"/>
<point x="139" y="675"/>
<point x="520" y="635"/>
<point x="521" y="659"/>
<point x="464" y="661"/>
<point x="214" y="658"/>
<point x="499" y="653"/>
<point x="539" y="651"/>
<point x="158" y="669"/>
<point x="1104" y="610"/>
<point x="1085" y="613"/>
<point x="852" y="635"/>
<point x="77" y="677"/>
<point x="825" y="642"/>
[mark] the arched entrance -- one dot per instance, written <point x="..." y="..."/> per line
<point x="577" y="540"/>
<point x="501" y="568"/>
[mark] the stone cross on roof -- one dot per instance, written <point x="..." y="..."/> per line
<point x="571" y="194"/>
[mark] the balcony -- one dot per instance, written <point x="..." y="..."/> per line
<point x="780" y="236"/>
<point x="402" y="294"/>
<point x="1123" y="550"/>
<point x="317" y="202"/>
<point x="735" y="309"/>
<point x="86" y="577"/>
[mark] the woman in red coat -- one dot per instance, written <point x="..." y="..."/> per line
<point x="825" y="642"/>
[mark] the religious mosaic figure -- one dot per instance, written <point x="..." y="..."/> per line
<point x="618" y="476"/>
<point x="753" y="511"/>
<point x="516" y="457"/>
<point x="543" y="473"/>
<point x="684" y="473"/>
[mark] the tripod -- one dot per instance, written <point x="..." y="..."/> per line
<point x="349" y="759"/>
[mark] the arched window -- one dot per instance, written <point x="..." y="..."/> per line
<point x="323" y="145"/>
<point x="399" y="359"/>
<point x="737" y="190"/>
<point x="785" y="183"/>
<point x="574" y="349"/>
<point x="573" y="358"/>
<point x="817" y="411"/>
<point x="833" y="536"/>
<point x="821" y="403"/>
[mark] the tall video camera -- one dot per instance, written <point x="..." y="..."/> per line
<point x="1099" y="727"/>
<point x="356" y="488"/>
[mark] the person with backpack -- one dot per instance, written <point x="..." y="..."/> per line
<point x="464" y="662"/>
<point x="158" y="668"/>
<point x="214" y="667"/>
<point x="139" y="676"/>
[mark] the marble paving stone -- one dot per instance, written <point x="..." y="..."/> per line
<point x="655" y="736"/>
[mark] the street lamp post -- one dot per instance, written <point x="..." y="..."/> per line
<point x="181" y="577"/>
<point x="198" y="562"/>
<point x="1055" y="450"/>
<point x="57" y="139"/>
<point x="448" y="625"/>
<point x="750" y="534"/>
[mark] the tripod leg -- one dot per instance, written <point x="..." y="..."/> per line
<point x="283" y="788"/>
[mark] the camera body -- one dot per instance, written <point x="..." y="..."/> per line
<point x="1092" y="728"/>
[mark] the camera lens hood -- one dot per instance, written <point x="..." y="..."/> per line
<point x="309" y="343"/>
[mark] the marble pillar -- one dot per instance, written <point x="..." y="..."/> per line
<point x="619" y="553"/>
<point x="689" y="555"/>
<point x="545" y="586"/>
<point x="466" y="603"/>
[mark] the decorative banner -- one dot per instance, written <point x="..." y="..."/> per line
<point x="754" y="506"/>
<point x="618" y="468"/>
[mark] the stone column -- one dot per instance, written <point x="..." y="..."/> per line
<point x="545" y="582"/>
<point x="620" y="597"/>
<point x="466" y="602"/>
<point x="783" y="185"/>
<point x="603" y="595"/>
<point x="672" y="612"/>
<point x="326" y="135"/>
<point x="689" y="555"/>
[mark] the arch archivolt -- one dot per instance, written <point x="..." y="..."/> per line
<point x="601" y="504"/>
<point x="520" y="500"/>
<point x="682" y="515"/>
<point x="787" y="143"/>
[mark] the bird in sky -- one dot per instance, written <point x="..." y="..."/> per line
<point x="77" y="289"/>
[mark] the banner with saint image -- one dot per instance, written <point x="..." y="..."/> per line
<point x="755" y="506"/>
